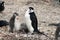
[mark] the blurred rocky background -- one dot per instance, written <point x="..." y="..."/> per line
<point x="47" y="12"/>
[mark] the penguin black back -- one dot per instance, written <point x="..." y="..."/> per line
<point x="2" y="6"/>
<point x="3" y="23"/>
<point x="33" y="19"/>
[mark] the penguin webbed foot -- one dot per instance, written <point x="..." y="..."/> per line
<point x="10" y="31"/>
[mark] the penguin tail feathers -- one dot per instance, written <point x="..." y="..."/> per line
<point x="42" y="33"/>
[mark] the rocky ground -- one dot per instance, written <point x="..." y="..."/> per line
<point x="47" y="13"/>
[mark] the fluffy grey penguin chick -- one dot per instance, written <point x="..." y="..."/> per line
<point x="14" y="23"/>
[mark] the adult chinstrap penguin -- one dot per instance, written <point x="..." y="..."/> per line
<point x="31" y="20"/>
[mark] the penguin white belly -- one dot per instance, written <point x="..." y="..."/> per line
<point x="28" y="23"/>
<point x="17" y="24"/>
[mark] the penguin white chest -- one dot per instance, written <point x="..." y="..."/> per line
<point x="28" y="22"/>
<point x="17" y="23"/>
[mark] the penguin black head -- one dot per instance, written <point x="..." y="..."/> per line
<point x="2" y="3"/>
<point x="31" y="8"/>
<point x="15" y="14"/>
